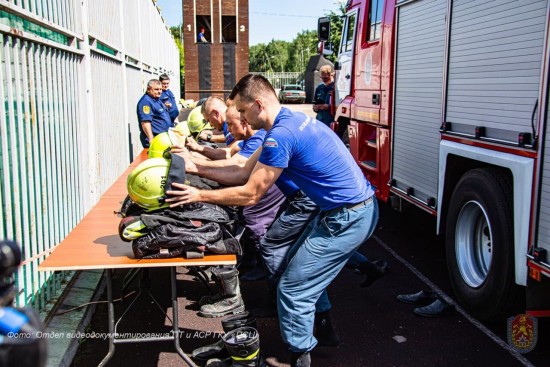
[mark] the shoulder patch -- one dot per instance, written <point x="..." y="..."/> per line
<point x="146" y="109"/>
<point x="270" y="143"/>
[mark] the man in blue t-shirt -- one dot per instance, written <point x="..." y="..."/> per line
<point x="152" y="115"/>
<point x="168" y="98"/>
<point x="257" y="217"/>
<point x="320" y="165"/>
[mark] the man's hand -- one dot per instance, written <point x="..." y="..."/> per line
<point x="185" y="195"/>
<point x="168" y="105"/>
<point x="190" y="166"/>
<point x="193" y="145"/>
<point x="320" y="107"/>
<point x="204" y="135"/>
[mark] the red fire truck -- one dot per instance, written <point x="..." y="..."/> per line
<point x="446" y="107"/>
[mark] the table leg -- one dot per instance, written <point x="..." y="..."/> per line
<point x="111" y="317"/>
<point x="175" y="324"/>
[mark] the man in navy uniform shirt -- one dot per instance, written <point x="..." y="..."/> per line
<point x="152" y="114"/>
<point x="168" y="98"/>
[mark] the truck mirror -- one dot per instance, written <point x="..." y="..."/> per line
<point x="323" y="29"/>
<point x="327" y="48"/>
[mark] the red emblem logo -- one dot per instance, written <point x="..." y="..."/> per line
<point x="522" y="333"/>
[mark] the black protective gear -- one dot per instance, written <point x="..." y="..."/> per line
<point x="217" y="350"/>
<point x="243" y="345"/>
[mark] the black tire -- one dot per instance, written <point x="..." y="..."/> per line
<point x="480" y="244"/>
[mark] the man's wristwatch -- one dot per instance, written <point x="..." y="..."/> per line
<point x="208" y="137"/>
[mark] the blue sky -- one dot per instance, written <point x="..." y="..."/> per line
<point x="269" y="19"/>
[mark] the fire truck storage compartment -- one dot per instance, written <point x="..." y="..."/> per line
<point x="542" y="239"/>
<point x="494" y="68"/>
<point x="418" y="84"/>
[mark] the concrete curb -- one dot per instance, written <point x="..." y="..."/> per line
<point x="63" y="330"/>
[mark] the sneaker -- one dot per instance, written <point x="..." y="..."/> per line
<point x="437" y="308"/>
<point x="421" y="297"/>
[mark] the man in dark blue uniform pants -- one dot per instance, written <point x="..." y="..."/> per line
<point x="152" y="115"/>
<point x="319" y="164"/>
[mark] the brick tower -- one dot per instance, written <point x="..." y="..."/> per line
<point x="215" y="66"/>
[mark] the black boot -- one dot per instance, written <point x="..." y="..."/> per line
<point x="323" y="330"/>
<point x="217" y="350"/>
<point x="243" y="345"/>
<point x="300" y="359"/>
<point x="229" y="300"/>
<point x="373" y="270"/>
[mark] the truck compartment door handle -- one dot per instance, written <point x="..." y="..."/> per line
<point x="376" y="99"/>
<point x="348" y="76"/>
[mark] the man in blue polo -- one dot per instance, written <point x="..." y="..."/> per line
<point x="319" y="164"/>
<point x="214" y="111"/>
<point x="152" y="115"/>
<point x="168" y="98"/>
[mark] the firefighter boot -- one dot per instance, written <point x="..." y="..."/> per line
<point x="300" y="359"/>
<point x="230" y="323"/>
<point x="230" y="301"/>
<point x="243" y="345"/>
<point x="323" y="330"/>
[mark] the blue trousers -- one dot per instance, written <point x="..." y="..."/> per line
<point x="283" y="234"/>
<point x="314" y="261"/>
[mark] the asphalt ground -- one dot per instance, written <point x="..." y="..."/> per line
<point x="375" y="329"/>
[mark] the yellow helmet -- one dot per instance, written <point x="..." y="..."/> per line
<point x="182" y="129"/>
<point x="146" y="183"/>
<point x="163" y="142"/>
<point x="196" y="122"/>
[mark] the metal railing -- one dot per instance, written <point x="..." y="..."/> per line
<point x="278" y="79"/>
<point x="71" y="74"/>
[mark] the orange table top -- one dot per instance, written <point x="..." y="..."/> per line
<point x="95" y="244"/>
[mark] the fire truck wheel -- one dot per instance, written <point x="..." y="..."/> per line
<point x="479" y="243"/>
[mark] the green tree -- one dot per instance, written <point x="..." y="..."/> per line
<point x="301" y="49"/>
<point x="336" y="25"/>
<point x="293" y="56"/>
<point x="176" y="33"/>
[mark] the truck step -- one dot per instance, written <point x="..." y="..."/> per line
<point x="369" y="165"/>
<point x="371" y="143"/>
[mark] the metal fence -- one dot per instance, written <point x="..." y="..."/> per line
<point x="71" y="74"/>
<point x="278" y="79"/>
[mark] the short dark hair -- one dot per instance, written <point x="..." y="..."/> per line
<point x="164" y="77"/>
<point x="250" y="87"/>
